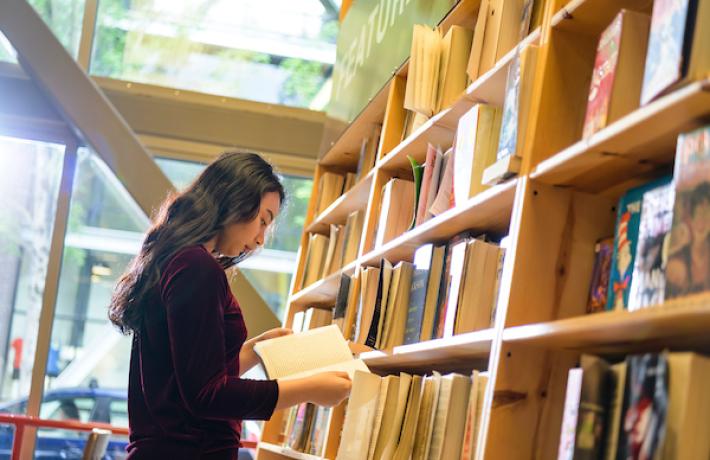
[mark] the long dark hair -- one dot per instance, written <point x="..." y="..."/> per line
<point x="228" y="191"/>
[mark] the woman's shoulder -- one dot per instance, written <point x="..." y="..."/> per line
<point x="194" y="259"/>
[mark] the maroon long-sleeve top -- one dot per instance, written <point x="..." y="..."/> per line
<point x="185" y="396"/>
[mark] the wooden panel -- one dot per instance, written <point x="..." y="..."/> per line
<point x="634" y="144"/>
<point x="567" y="60"/>
<point x="555" y="252"/>
<point x="337" y="213"/>
<point x="489" y="211"/>
<point x="528" y="400"/>
<point x="591" y="17"/>
<point x="272" y="428"/>
<point x="678" y="324"/>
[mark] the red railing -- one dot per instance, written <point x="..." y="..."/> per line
<point x="23" y="421"/>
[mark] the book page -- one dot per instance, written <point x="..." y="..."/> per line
<point x="350" y="367"/>
<point x="309" y="350"/>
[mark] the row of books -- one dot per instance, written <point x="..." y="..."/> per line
<point x="401" y="417"/>
<point x="311" y="318"/>
<point x="449" y="289"/>
<point x="661" y="246"/>
<point x="327" y="254"/>
<point x="304" y="428"/>
<point x="442" y="65"/>
<point x="640" y="58"/>
<point x="647" y="406"/>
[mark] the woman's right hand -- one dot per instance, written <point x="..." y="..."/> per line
<point x="330" y="388"/>
<point x="325" y="389"/>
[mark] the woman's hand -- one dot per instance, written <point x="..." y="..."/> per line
<point x="272" y="334"/>
<point x="247" y="356"/>
<point x="330" y="388"/>
<point x="325" y="389"/>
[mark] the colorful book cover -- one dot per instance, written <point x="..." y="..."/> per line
<point x="570" y="415"/>
<point x="668" y="46"/>
<point x="688" y="268"/>
<point x="646" y="403"/>
<point x="599" y="287"/>
<point x="507" y="142"/>
<point x="417" y="293"/>
<point x="648" y="284"/>
<point x="603" y="77"/>
<point x="625" y="244"/>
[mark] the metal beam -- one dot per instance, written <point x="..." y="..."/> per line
<point x="81" y="103"/>
<point x="209" y="119"/>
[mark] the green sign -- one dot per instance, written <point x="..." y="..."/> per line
<point x="375" y="39"/>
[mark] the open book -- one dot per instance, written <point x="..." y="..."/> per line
<point x="301" y="355"/>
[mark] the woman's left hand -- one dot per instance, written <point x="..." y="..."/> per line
<point x="273" y="333"/>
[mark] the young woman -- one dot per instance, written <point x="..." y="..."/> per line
<point x="186" y="399"/>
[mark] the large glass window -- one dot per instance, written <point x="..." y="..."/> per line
<point x="65" y="18"/>
<point x="30" y="173"/>
<point x="7" y="52"/>
<point x="280" y="51"/>
<point x="104" y="233"/>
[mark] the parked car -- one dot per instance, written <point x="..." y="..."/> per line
<point x="82" y="404"/>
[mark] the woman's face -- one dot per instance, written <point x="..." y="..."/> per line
<point x="248" y="236"/>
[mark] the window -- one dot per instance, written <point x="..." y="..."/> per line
<point x="104" y="233"/>
<point x="281" y="51"/>
<point x="64" y="18"/>
<point x="119" y="412"/>
<point x="7" y="52"/>
<point x="29" y="179"/>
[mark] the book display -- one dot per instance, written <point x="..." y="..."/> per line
<point x="519" y="248"/>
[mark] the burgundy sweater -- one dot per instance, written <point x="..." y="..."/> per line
<point x="184" y="386"/>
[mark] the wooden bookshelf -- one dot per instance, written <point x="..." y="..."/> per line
<point x="676" y="324"/>
<point x="554" y="213"/>
<point x="454" y="352"/>
<point x="337" y="213"/>
<point x="487" y="211"/>
<point x="642" y="141"/>
<point x="269" y="451"/>
<point x="322" y="292"/>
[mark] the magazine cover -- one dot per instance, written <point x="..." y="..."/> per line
<point x="599" y="287"/>
<point x="688" y="268"/>
<point x="648" y="284"/>
<point x="668" y="39"/>
<point x="644" y="420"/>
<point x="603" y="77"/>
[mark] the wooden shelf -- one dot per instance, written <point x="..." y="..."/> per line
<point x="591" y="17"/>
<point x="322" y="292"/>
<point x="286" y="452"/>
<point x="639" y="142"/>
<point x="489" y="211"/>
<point x="489" y="88"/>
<point x="458" y="351"/>
<point x="680" y="324"/>
<point x="337" y="213"/>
